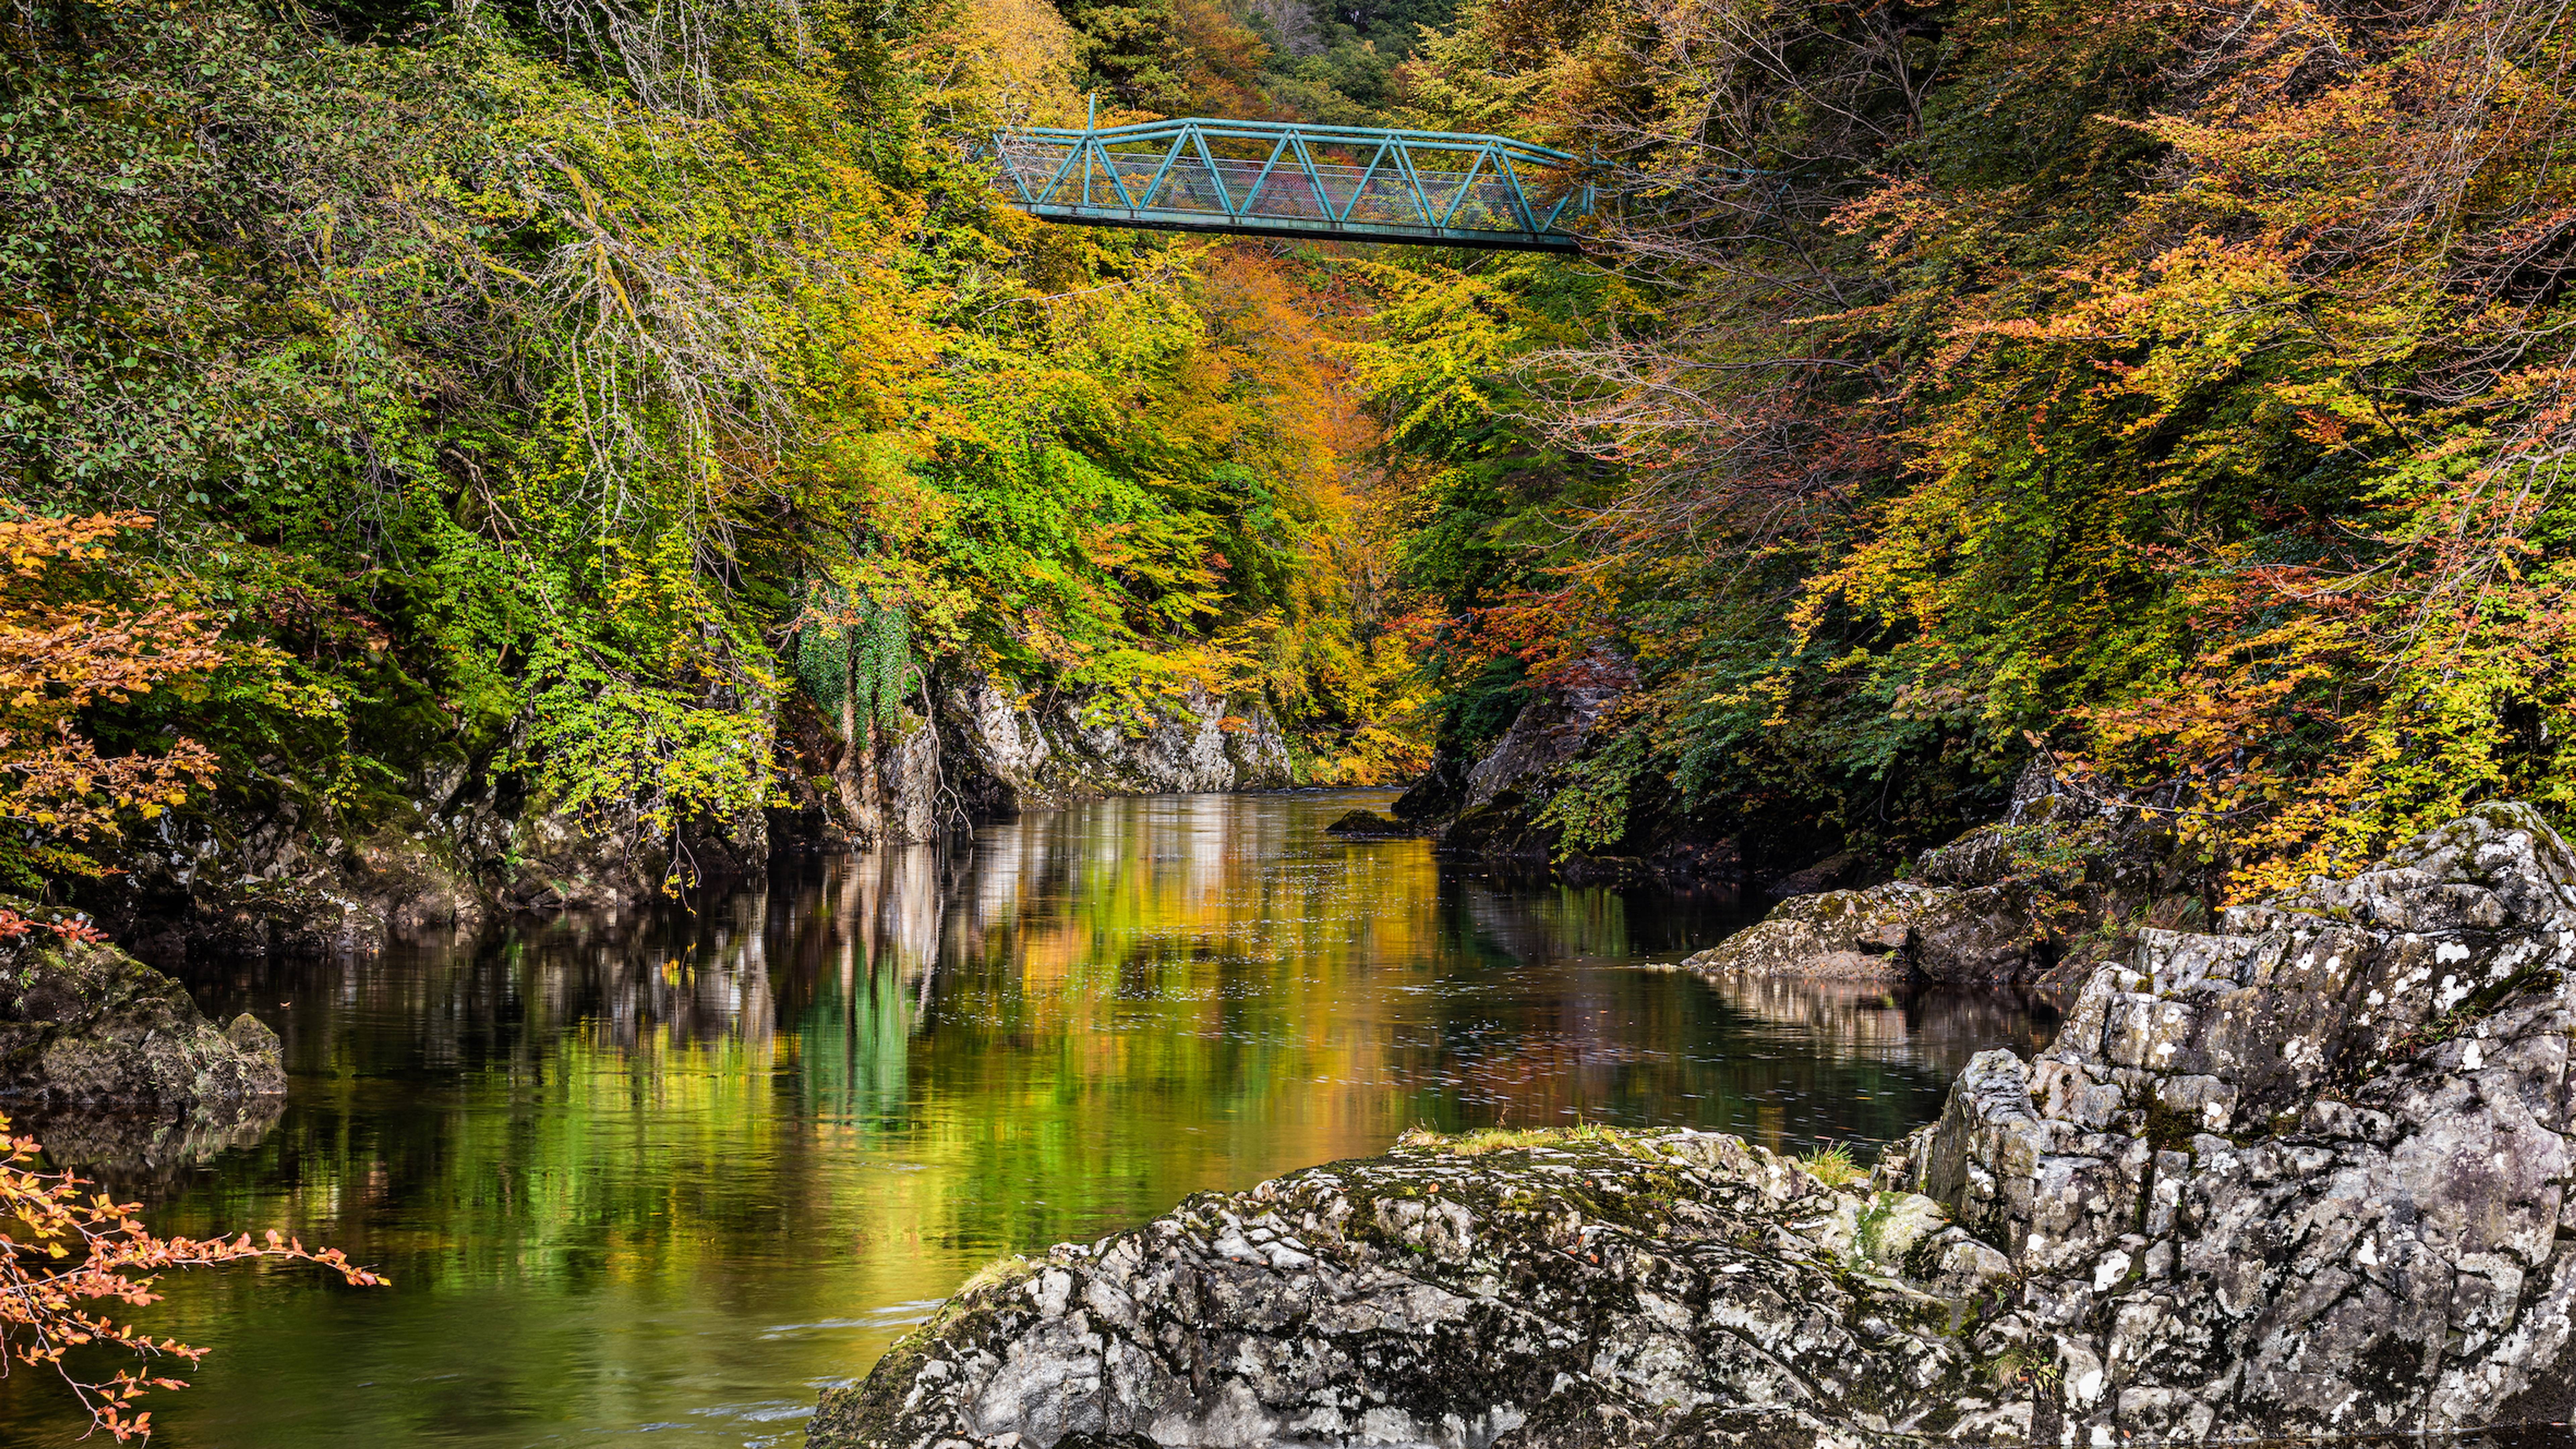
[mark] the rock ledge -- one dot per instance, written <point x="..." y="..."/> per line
<point x="82" y="1024"/>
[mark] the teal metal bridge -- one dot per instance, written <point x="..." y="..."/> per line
<point x="1276" y="178"/>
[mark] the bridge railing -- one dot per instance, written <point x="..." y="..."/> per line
<point x="1276" y="178"/>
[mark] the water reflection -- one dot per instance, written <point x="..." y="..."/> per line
<point x="1939" y="1026"/>
<point x="670" y="1172"/>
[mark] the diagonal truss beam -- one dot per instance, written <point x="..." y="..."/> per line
<point x="1273" y="178"/>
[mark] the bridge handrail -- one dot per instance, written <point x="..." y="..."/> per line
<point x="1254" y="130"/>
<point x="1439" y="203"/>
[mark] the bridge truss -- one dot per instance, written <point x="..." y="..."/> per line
<point x="1276" y="178"/>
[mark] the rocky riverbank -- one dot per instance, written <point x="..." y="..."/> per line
<point x="2304" y="1174"/>
<point x="2055" y="888"/>
<point x="83" y="1024"/>
<point x="112" y="1061"/>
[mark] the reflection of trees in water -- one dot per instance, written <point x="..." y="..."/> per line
<point x="1536" y="920"/>
<point x="636" y="983"/>
<point x="1154" y="960"/>
<point x="866" y="959"/>
<point x="1941" y="1026"/>
<point x="853" y="1085"/>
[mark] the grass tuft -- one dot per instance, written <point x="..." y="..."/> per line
<point x="1000" y="1270"/>
<point x="1833" y="1166"/>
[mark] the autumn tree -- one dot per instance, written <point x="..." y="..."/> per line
<point x="77" y="633"/>
<point x="2182" y="388"/>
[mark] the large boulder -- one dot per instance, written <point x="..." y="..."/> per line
<point x="2306" y="1176"/>
<point x="1521" y="1288"/>
<point x="1899" y="931"/>
<point x="2042" y="895"/>
<point x="82" y="1024"/>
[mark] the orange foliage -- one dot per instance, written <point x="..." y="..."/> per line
<point x="65" y="1250"/>
<point x="1323" y="648"/>
<point x="2186" y="387"/>
<point x="62" y="652"/>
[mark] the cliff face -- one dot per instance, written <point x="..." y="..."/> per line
<point x="2303" y="1175"/>
<point x="986" y="751"/>
<point x="1021" y="755"/>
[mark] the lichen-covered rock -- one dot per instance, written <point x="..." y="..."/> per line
<point x="2053" y="887"/>
<point x="1590" y="1288"/>
<point x="1013" y="754"/>
<point x="2306" y="1177"/>
<point x="1832" y="935"/>
<point x="83" y="1024"/>
<point x="1893" y="932"/>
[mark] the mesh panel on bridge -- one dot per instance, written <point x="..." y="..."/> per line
<point x="1285" y="179"/>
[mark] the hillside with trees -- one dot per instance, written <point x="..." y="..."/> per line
<point x="2173" y="393"/>
<point x="640" y="412"/>
<point x="631" y="417"/>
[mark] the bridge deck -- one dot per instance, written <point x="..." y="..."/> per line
<point x="1273" y="178"/>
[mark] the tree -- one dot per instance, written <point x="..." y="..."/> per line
<point x="67" y="644"/>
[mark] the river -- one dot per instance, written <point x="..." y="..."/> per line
<point x="656" y="1180"/>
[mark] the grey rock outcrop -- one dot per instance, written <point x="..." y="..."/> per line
<point x="1487" y="807"/>
<point x="1588" y="1288"/>
<point x="1019" y="754"/>
<point x="2043" y="894"/>
<point x="1546" y="733"/>
<point x="2305" y="1176"/>
<point x="1893" y="932"/>
<point x="465" y="838"/>
<point x="83" y="1024"/>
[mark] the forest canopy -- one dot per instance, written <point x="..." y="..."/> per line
<point x="543" y="381"/>
<point x="2174" y="391"/>
<point x="2173" y="394"/>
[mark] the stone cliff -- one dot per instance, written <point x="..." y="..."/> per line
<point x="1020" y="754"/>
<point x="2304" y="1174"/>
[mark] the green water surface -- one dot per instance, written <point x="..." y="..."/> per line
<point x="657" y="1180"/>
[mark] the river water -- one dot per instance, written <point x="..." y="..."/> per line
<point x="656" y="1181"/>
